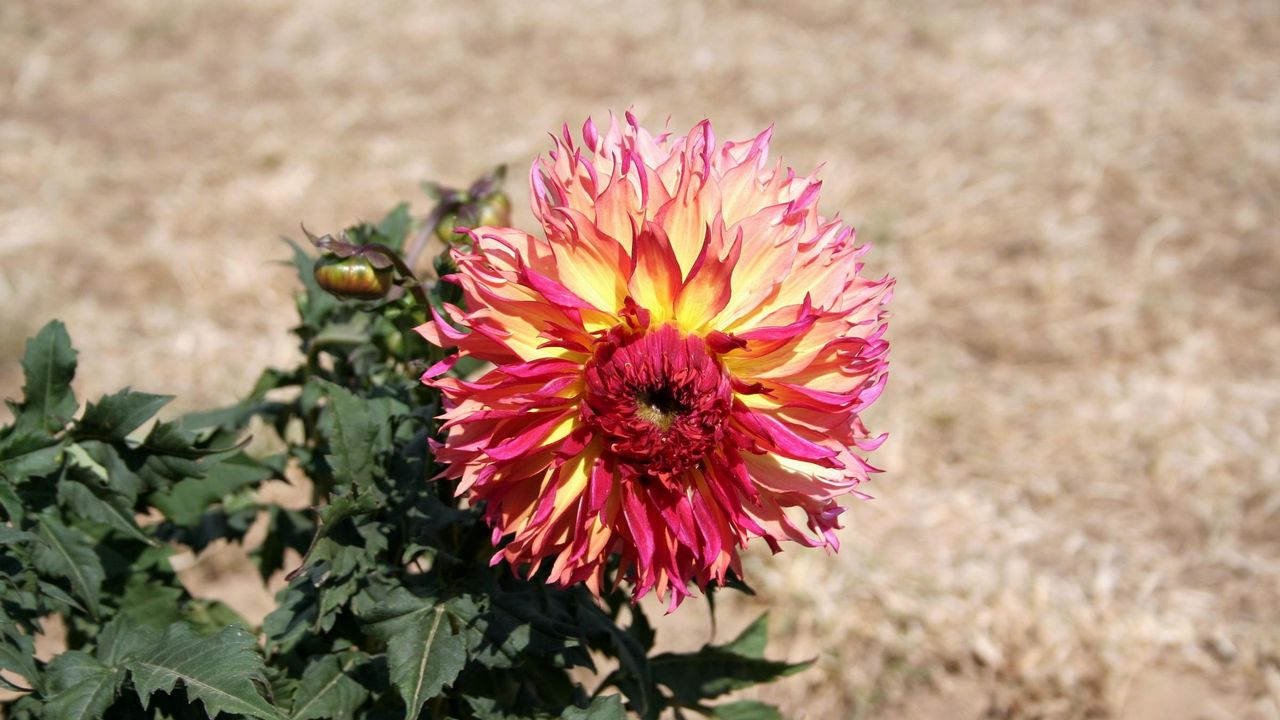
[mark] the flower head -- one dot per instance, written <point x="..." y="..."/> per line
<point x="679" y="362"/>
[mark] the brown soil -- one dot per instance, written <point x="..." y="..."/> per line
<point x="1081" y="514"/>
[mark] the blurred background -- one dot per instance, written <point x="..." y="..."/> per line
<point x="1080" y="516"/>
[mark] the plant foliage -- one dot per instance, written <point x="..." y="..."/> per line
<point x="394" y="611"/>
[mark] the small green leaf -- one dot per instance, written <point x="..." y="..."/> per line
<point x="751" y="641"/>
<point x="66" y="552"/>
<point x="220" y="671"/>
<point x="84" y="687"/>
<point x="328" y="690"/>
<point x="10" y="536"/>
<point x="49" y="365"/>
<point x="97" y="504"/>
<point x="716" y="670"/>
<point x="25" y="453"/>
<point x="117" y="415"/>
<point x="17" y="654"/>
<point x="187" y="500"/>
<point x="745" y="710"/>
<point x="395" y="226"/>
<point x="608" y="707"/>
<point x="12" y="505"/>
<point x="354" y="432"/>
<point x="424" y="650"/>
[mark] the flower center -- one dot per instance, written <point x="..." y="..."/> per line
<point x="659" y="400"/>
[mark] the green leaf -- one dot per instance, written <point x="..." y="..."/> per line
<point x="751" y="641"/>
<point x="12" y="505"/>
<point x="10" y="536"/>
<point x="17" y="654"/>
<point x="220" y="671"/>
<point x="328" y="690"/>
<point x="150" y="604"/>
<point x="315" y="303"/>
<point x="123" y="481"/>
<point x="115" y="416"/>
<point x="122" y="637"/>
<point x="424" y="650"/>
<point x="25" y="453"/>
<point x="746" y="710"/>
<point x="84" y="687"/>
<point x="608" y="707"/>
<point x="97" y="504"/>
<point x="186" y="501"/>
<point x="68" y="553"/>
<point x="49" y="365"/>
<point x="716" y="670"/>
<point x="354" y="432"/>
<point x="395" y="226"/>
<point x="712" y="672"/>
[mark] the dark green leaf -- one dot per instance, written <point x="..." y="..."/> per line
<point x="328" y="689"/>
<point x="746" y="710"/>
<point x="751" y="641"/>
<point x="122" y="637"/>
<point x="12" y="505"/>
<point x="17" y="654"/>
<point x="395" y="226"/>
<point x="83" y="687"/>
<point x="123" y="481"/>
<point x="150" y="604"/>
<point x="97" y="504"/>
<point x="424" y="650"/>
<point x="354" y="432"/>
<point x="117" y="415"/>
<point x="9" y="536"/>
<point x="49" y="365"/>
<point x="68" y="553"/>
<point x="25" y="453"/>
<point x="713" y="671"/>
<point x="220" y="671"/>
<point x="608" y="707"/>
<point x="187" y="500"/>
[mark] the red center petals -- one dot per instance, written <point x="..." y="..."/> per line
<point x="659" y="401"/>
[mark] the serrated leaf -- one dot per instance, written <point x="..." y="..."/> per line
<point x="68" y="553"/>
<point x="395" y="226"/>
<point x="49" y="365"/>
<point x="17" y="654"/>
<point x="83" y="687"/>
<point x="352" y="441"/>
<point x="121" y="638"/>
<point x="717" y="669"/>
<point x="608" y="707"/>
<point x="712" y="672"/>
<point x="97" y="504"/>
<point x="424" y="650"/>
<point x="150" y="604"/>
<point x="25" y="453"/>
<point x="123" y="481"/>
<point x="12" y="505"/>
<point x="219" y="671"/>
<point x="315" y="303"/>
<point x="115" y="416"/>
<point x="186" y="501"/>
<point x="328" y="690"/>
<point x="751" y="641"/>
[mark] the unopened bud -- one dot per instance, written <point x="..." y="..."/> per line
<point x="355" y="277"/>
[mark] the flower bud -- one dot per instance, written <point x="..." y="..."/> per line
<point x="354" y="277"/>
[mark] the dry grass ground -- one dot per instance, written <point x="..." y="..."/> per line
<point x="1081" y="514"/>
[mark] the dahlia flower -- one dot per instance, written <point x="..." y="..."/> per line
<point x="679" y="362"/>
